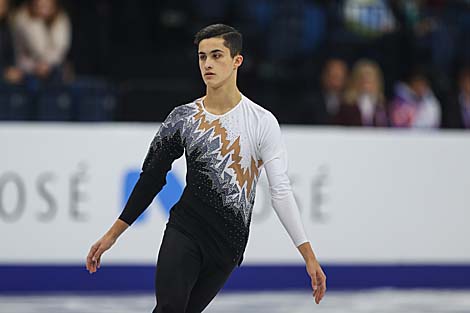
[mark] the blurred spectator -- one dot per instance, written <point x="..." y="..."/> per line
<point x="324" y="105"/>
<point x="334" y="78"/>
<point x="414" y="104"/>
<point x="457" y="114"/>
<point x="370" y="18"/>
<point x="42" y="35"/>
<point x="8" y="72"/>
<point x="364" y="101"/>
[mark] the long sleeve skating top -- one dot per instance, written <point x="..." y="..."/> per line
<point x="225" y="155"/>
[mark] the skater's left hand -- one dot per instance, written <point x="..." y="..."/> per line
<point x="317" y="276"/>
<point x="318" y="279"/>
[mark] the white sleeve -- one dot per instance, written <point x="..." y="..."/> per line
<point x="274" y="157"/>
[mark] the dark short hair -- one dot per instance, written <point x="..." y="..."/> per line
<point x="418" y="72"/>
<point x="232" y="38"/>
<point x="464" y="72"/>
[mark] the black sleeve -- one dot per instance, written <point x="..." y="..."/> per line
<point x="166" y="147"/>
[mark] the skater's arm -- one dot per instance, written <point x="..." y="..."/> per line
<point x="93" y="259"/>
<point x="286" y="208"/>
<point x="166" y="147"/>
<point x="274" y="156"/>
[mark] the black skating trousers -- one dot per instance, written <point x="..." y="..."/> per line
<point x="187" y="279"/>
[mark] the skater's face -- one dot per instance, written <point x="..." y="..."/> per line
<point x="216" y="64"/>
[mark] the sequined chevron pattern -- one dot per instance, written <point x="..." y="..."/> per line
<point x="174" y="121"/>
<point x="235" y="184"/>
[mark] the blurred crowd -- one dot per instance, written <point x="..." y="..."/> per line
<point x="34" y="42"/>
<point x="395" y="63"/>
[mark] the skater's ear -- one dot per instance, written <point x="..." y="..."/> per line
<point x="237" y="61"/>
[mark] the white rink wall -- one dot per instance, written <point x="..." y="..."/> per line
<point x="366" y="196"/>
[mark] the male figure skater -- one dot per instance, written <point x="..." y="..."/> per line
<point x="227" y="140"/>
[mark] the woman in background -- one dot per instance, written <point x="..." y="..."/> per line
<point x="42" y="38"/>
<point x="364" y="100"/>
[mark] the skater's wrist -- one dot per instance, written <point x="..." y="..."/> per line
<point x="116" y="230"/>
<point x="307" y="253"/>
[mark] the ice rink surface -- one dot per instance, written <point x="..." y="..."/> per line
<point x="376" y="301"/>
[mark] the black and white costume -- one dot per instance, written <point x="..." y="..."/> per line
<point x="225" y="155"/>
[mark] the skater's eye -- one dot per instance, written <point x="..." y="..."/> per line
<point x="202" y="57"/>
<point x="217" y="55"/>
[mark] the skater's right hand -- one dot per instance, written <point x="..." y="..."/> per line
<point x="93" y="259"/>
